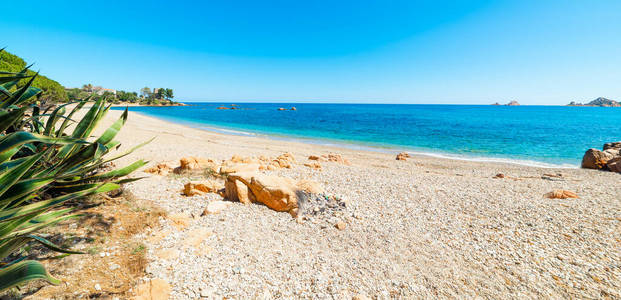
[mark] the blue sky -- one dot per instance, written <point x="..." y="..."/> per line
<point x="536" y="52"/>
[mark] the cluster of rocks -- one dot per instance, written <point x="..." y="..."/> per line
<point x="240" y="179"/>
<point x="403" y="156"/>
<point x="282" y="108"/>
<point x="608" y="159"/>
<point x="511" y="103"/>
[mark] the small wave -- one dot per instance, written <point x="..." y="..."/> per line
<point x="227" y="131"/>
<point x="522" y="162"/>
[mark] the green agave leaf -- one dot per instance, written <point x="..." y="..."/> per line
<point x="8" y="154"/>
<point x="113" y="130"/>
<point x="85" y="155"/>
<point x="40" y="206"/>
<point x="65" y="123"/>
<point x="22" y="137"/>
<point x="88" y="120"/>
<point x="10" y="84"/>
<point x="23" y="272"/>
<point x="56" y="114"/>
<point x="11" y="79"/>
<point x="12" y="175"/>
<point x="117" y="173"/>
<point x="16" y="98"/>
<point x="8" y="118"/>
<point x="23" y="188"/>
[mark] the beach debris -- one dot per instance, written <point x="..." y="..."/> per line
<point x="277" y="193"/>
<point x="161" y="169"/>
<point x="499" y="176"/>
<point x="315" y="157"/>
<point x="154" y="289"/>
<point x="336" y="158"/>
<point x="553" y="177"/>
<point x="561" y="194"/>
<point x="403" y="156"/>
<point x="215" y="207"/>
<point x="193" y="188"/>
<point x="313" y="165"/>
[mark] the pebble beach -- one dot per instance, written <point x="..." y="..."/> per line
<point x="423" y="227"/>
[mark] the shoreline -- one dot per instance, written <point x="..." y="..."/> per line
<point x="361" y="146"/>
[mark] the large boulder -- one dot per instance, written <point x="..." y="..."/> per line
<point x="614" y="165"/>
<point x="595" y="159"/>
<point x="615" y="145"/>
<point x="277" y="193"/>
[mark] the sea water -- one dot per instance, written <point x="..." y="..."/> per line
<point x="536" y="135"/>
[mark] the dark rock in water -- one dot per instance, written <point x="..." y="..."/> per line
<point x="513" y="103"/>
<point x="496" y="103"/>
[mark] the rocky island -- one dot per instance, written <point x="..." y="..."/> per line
<point x="600" y="102"/>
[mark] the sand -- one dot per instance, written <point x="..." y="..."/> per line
<point x="422" y="228"/>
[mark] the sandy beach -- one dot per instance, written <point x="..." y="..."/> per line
<point x="421" y="228"/>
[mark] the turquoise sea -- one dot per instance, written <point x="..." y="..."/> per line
<point x="535" y="135"/>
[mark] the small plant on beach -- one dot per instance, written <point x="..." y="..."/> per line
<point x="44" y="164"/>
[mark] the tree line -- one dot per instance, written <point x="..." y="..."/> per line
<point x="147" y="96"/>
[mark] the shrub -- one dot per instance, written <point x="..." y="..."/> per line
<point x="42" y="166"/>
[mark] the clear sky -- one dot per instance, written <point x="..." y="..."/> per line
<point x="536" y="52"/>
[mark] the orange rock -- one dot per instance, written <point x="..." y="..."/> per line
<point x="277" y="193"/>
<point x="194" y="163"/>
<point x="499" y="176"/>
<point x="340" y="225"/>
<point x="315" y="157"/>
<point x="160" y="169"/>
<point x="155" y="289"/>
<point x="313" y="165"/>
<point x="336" y="158"/>
<point x="403" y="156"/>
<point x="595" y="159"/>
<point x="561" y="194"/>
<point x="201" y="187"/>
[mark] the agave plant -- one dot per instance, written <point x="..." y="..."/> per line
<point x="42" y="166"/>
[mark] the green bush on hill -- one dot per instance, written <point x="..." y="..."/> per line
<point x="52" y="91"/>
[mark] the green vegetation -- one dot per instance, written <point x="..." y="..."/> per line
<point x="45" y="162"/>
<point x="51" y="91"/>
<point x="159" y="96"/>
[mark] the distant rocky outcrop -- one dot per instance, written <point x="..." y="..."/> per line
<point x="513" y="103"/>
<point x="497" y="104"/>
<point x="608" y="159"/>
<point x="601" y="102"/>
